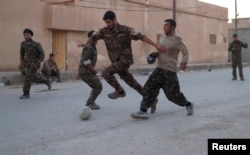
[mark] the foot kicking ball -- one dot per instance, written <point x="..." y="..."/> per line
<point x="85" y="113"/>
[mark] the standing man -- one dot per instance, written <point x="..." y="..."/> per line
<point x="117" y="39"/>
<point x="165" y="76"/>
<point x="88" y="73"/>
<point x="235" y="48"/>
<point x="31" y="56"/>
<point x="50" y="68"/>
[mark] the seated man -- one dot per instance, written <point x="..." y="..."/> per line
<point x="50" y="68"/>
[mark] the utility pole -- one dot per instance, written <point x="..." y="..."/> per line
<point x="236" y="17"/>
<point x="174" y="9"/>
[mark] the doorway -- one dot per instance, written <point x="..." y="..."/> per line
<point x="59" y="48"/>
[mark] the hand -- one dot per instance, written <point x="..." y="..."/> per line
<point x="21" y="66"/>
<point x="183" y="67"/>
<point x="155" y="54"/>
<point x="161" y="48"/>
<point x="94" y="71"/>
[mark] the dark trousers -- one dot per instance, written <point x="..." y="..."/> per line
<point x="29" y="76"/>
<point x="93" y="82"/>
<point x="166" y="80"/>
<point x="237" y="62"/>
<point x="122" y="70"/>
<point x="50" y="73"/>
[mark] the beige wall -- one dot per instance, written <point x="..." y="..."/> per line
<point x="14" y="18"/>
<point x="195" y="22"/>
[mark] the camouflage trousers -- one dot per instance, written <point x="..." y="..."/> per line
<point x="30" y="74"/>
<point x="93" y="81"/>
<point x="166" y="80"/>
<point x="236" y="62"/>
<point x="122" y="70"/>
<point x="50" y="73"/>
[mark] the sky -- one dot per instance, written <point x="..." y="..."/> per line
<point x="242" y="7"/>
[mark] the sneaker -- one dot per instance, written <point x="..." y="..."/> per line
<point x="116" y="95"/>
<point x="93" y="106"/>
<point x="189" y="109"/>
<point x="234" y="79"/>
<point x="24" y="97"/>
<point x="242" y="79"/>
<point x="140" y="115"/>
<point x="153" y="106"/>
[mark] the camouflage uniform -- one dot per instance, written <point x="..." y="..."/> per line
<point x="31" y="53"/>
<point x="235" y="47"/>
<point x="118" y="44"/>
<point x="164" y="76"/>
<point x="46" y="69"/>
<point x="89" y="55"/>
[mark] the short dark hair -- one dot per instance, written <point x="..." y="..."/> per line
<point x="235" y="35"/>
<point x="51" y="55"/>
<point x="109" y="15"/>
<point x="27" y="30"/>
<point x="90" y="33"/>
<point x="171" y="22"/>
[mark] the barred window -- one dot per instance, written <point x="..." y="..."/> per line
<point x="212" y="38"/>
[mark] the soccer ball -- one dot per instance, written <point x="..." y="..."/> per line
<point x="85" y="112"/>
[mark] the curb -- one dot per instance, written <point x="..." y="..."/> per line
<point x="15" y="77"/>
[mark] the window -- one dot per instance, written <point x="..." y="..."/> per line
<point x="212" y="38"/>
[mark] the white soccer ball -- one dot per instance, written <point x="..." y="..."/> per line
<point x="85" y="112"/>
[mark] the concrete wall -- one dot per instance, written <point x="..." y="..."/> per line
<point x="243" y="31"/>
<point x="195" y="22"/>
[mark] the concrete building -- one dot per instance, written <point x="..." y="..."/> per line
<point x="60" y="24"/>
<point x="243" y="31"/>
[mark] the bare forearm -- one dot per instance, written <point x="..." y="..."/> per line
<point x="149" y="41"/>
<point x="91" y="69"/>
<point x="86" y="43"/>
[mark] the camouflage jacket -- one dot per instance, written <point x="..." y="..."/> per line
<point x="118" y="42"/>
<point x="236" y="46"/>
<point x="49" y="64"/>
<point x="31" y="52"/>
<point x="89" y="56"/>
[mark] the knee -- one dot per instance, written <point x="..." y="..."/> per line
<point x="98" y="89"/>
<point x="106" y="74"/>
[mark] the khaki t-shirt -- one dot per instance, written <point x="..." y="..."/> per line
<point x="168" y="60"/>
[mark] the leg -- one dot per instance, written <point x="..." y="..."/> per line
<point x="130" y="80"/>
<point x="29" y="76"/>
<point x="96" y="85"/>
<point x="151" y="91"/>
<point x="46" y="73"/>
<point x="234" y="65"/>
<point x="108" y="75"/>
<point x="40" y="78"/>
<point x="56" y="73"/>
<point x="240" y="66"/>
<point x="172" y="91"/>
